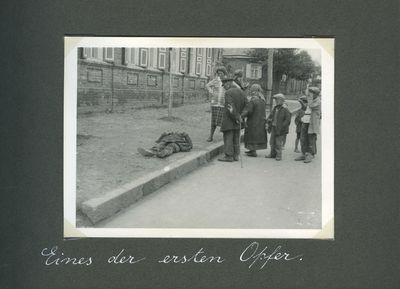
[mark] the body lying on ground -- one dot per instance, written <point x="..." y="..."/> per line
<point x="167" y="144"/>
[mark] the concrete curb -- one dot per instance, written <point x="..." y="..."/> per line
<point x="100" y="208"/>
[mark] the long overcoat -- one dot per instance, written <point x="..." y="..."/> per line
<point x="255" y="132"/>
<point x="236" y="98"/>
<point x="315" y="116"/>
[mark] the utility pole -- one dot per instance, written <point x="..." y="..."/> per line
<point x="112" y="88"/>
<point x="269" y="76"/>
<point x="170" y="100"/>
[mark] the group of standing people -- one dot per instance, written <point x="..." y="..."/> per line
<point x="308" y="124"/>
<point x="232" y="110"/>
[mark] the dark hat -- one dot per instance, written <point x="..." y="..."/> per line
<point x="225" y="80"/>
<point x="314" y="89"/>
<point x="223" y="69"/>
<point x="303" y="98"/>
<point x="238" y="73"/>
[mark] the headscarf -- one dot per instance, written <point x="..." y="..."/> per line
<point x="256" y="90"/>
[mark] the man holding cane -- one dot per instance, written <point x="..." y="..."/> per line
<point x="235" y="102"/>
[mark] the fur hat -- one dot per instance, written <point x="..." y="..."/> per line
<point x="225" y="80"/>
<point x="303" y="98"/>
<point x="238" y="73"/>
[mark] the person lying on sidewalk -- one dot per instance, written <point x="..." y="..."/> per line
<point x="167" y="144"/>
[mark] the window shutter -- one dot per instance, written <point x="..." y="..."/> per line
<point x="162" y="61"/>
<point x="248" y="71"/>
<point x="100" y="53"/>
<point x="109" y="53"/>
<point x="144" y="57"/>
<point x="126" y="55"/>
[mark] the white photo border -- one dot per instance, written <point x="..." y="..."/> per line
<point x="326" y="45"/>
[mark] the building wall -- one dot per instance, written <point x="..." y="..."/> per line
<point x="123" y="82"/>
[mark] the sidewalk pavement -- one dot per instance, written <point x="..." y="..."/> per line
<point x="111" y="175"/>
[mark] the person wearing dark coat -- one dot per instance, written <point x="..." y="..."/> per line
<point x="255" y="134"/>
<point x="299" y="114"/>
<point x="310" y="127"/>
<point x="235" y="102"/>
<point x="278" y="124"/>
<point x="167" y="144"/>
<point x="238" y="79"/>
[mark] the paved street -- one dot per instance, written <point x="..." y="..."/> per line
<point x="265" y="193"/>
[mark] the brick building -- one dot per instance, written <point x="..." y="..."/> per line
<point x="123" y="78"/>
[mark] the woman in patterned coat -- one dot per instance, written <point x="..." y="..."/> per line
<point x="217" y="93"/>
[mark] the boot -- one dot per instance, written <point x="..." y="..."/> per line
<point x="210" y="138"/>
<point x="296" y="146"/>
<point x="308" y="158"/>
<point x="300" y="158"/>
<point x="251" y="154"/>
<point x="225" y="158"/>
<point x="145" y="152"/>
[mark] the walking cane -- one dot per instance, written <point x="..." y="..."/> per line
<point x="240" y="155"/>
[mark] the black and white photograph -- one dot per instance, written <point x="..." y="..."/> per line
<point x="198" y="137"/>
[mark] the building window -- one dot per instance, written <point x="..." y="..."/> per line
<point x="199" y="61"/>
<point x="208" y="67"/>
<point x="109" y="54"/>
<point x="183" y="60"/>
<point x="198" y="67"/>
<point x="132" y="78"/>
<point x="94" y="75"/>
<point x="198" y="64"/>
<point x="151" y="80"/>
<point x="132" y="56"/>
<point x="255" y="71"/>
<point x="208" y="62"/>
<point x="161" y="58"/>
<point x="208" y="71"/>
<point x="183" y="65"/>
<point x="153" y="57"/>
<point x="144" y="57"/>
<point x="93" y="53"/>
